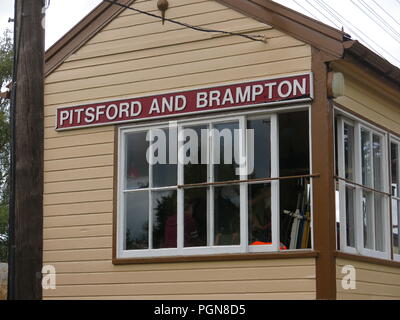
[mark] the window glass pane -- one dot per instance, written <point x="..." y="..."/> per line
<point x="368" y="222"/>
<point x="350" y="222"/>
<point x="259" y="214"/>
<point x="195" y="154"/>
<point x="195" y="217"/>
<point x="294" y="159"/>
<point x="137" y="220"/>
<point x="166" y="155"/>
<point x="349" y="151"/>
<point x="294" y="145"/>
<point x="295" y="218"/>
<point x="379" y="222"/>
<point x="366" y="158"/>
<point x="377" y="156"/>
<point x="227" y="215"/>
<point x="223" y="148"/>
<point x="394" y="158"/>
<point x="137" y="166"/>
<point x="164" y="219"/>
<point x="395" y="226"/>
<point x="261" y="150"/>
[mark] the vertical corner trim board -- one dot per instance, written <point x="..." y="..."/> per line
<point x="323" y="189"/>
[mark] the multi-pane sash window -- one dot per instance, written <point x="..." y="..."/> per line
<point x="364" y="198"/>
<point x="200" y="187"/>
<point x="395" y="185"/>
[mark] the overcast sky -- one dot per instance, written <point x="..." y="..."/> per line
<point x="62" y="15"/>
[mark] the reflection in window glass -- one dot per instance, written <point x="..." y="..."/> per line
<point x="195" y="170"/>
<point x="294" y="159"/>
<point x="223" y="146"/>
<point x="137" y="220"/>
<point x="164" y="219"/>
<point x="164" y="172"/>
<point x="227" y="215"/>
<point x="366" y="158"/>
<point x="262" y="148"/>
<point x="137" y="167"/>
<point x="379" y="227"/>
<point x="350" y="222"/>
<point x="349" y="151"/>
<point x="377" y="156"/>
<point x="395" y="226"/>
<point x="368" y="221"/>
<point x="260" y="214"/>
<point x="394" y="160"/>
<point x="195" y="217"/>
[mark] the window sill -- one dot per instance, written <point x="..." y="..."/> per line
<point x="378" y="261"/>
<point x="221" y="257"/>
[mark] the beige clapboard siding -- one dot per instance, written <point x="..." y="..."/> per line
<point x="179" y="39"/>
<point x="372" y="281"/>
<point x="176" y="70"/>
<point x="78" y="174"/>
<point x="134" y="56"/>
<point x="152" y="26"/>
<point x="180" y="10"/>
<point x="63" y="141"/>
<point x="210" y="287"/>
<point x="105" y="58"/>
<point x="373" y="105"/>
<point x="80" y="185"/>
<point x="149" y="6"/>
<point x="50" y="132"/>
<point x="80" y="196"/>
<point x="107" y="266"/>
<point x="78" y="243"/>
<point x="225" y="296"/>
<point x="84" y="220"/>
<point x="76" y="209"/>
<point x="243" y="72"/>
<point x="370" y="113"/>
<point x="140" y="61"/>
<point x="236" y="25"/>
<point x="78" y="232"/>
<point x="77" y="255"/>
<point x="255" y="273"/>
<point x="370" y="100"/>
<point x="79" y="151"/>
<point x="76" y="163"/>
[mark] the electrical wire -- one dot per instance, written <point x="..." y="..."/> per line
<point x="305" y="9"/>
<point x="380" y="19"/>
<point x="260" y="38"/>
<point x="362" y="33"/>
<point x="326" y="17"/>
<point x="374" y="20"/>
<point x="384" y="10"/>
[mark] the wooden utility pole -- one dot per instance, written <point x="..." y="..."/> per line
<point x="26" y="203"/>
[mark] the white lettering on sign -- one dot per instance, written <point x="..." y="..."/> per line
<point x="255" y="93"/>
<point x="91" y="114"/>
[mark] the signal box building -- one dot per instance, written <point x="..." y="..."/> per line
<point x="136" y="112"/>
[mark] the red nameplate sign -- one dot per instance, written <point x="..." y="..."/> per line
<point x="249" y="94"/>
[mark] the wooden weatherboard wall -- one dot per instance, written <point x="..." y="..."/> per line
<point x="374" y="281"/>
<point x="136" y="55"/>
<point x="368" y="97"/>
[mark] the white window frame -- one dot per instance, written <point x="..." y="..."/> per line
<point x="358" y="125"/>
<point x="244" y="247"/>
<point x="396" y="140"/>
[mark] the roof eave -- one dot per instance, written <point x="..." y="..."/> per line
<point x="81" y="33"/>
<point x="366" y="56"/>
